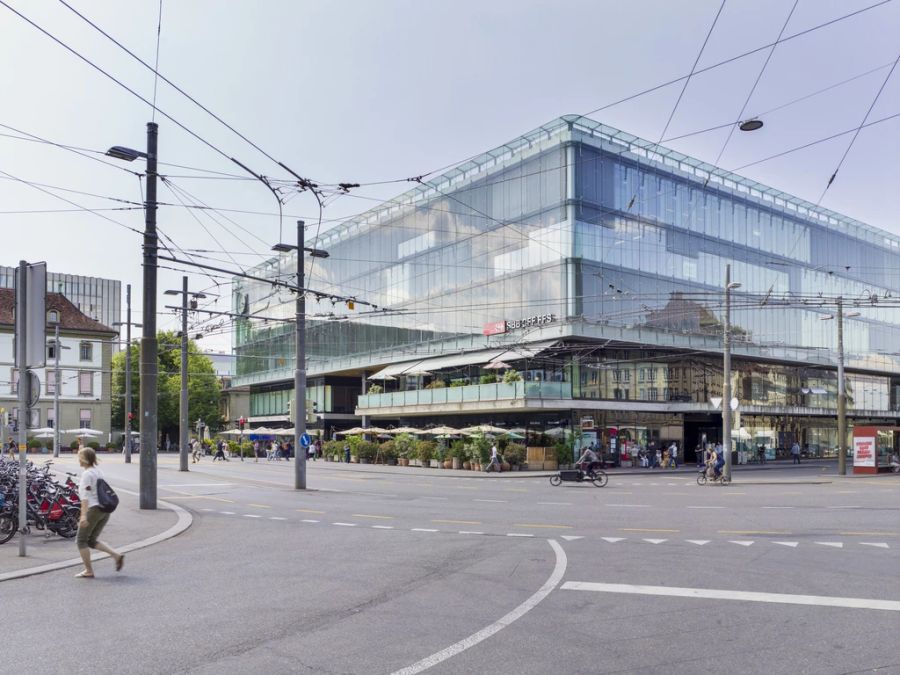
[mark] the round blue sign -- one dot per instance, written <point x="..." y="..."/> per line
<point x="305" y="440"/>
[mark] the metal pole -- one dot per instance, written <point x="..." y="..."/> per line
<point x="183" y="429"/>
<point x="842" y="394"/>
<point x="22" y="420"/>
<point x="149" y="346"/>
<point x="56" y="385"/>
<point x="128" y="374"/>
<point x="300" y="369"/>
<point x="726" y="378"/>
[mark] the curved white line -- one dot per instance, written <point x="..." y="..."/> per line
<point x="500" y="624"/>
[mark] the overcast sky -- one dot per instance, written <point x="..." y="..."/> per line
<point x="375" y="90"/>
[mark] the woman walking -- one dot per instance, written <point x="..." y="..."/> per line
<point x="93" y="519"/>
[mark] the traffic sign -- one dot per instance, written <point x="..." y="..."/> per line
<point x="305" y="440"/>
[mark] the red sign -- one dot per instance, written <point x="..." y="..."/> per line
<point x="494" y="328"/>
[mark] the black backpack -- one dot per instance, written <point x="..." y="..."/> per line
<point x="106" y="496"/>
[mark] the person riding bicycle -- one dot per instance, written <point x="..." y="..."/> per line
<point x="589" y="460"/>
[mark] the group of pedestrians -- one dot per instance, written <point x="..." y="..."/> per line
<point x="654" y="457"/>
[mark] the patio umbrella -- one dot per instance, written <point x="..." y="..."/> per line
<point x="41" y="430"/>
<point x="497" y="365"/>
<point x="384" y="378"/>
<point x="44" y="434"/>
<point x="229" y="432"/>
<point x="405" y="430"/>
<point x="420" y="373"/>
<point x="84" y="432"/>
<point x="557" y="432"/>
<point x="483" y="429"/>
<point x="444" y="430"/>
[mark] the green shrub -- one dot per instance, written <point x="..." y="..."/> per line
<point x="458" y="450"/>
<point x="34" y="443"/>
<point x="511" y="376"/>
<point x="425" y="451"/>
<point x="458" y="383"/>
<point x="488" y="378"/>
<point x="366" y="450"/>
<point x="388" y="450"/>
<point x="436" y="384"/>
<point x="515" y="454"/>
<point x="332" y="448"/>
<point x="405" y="445"/>
<point x="375" y="389"/>
<point x="94" y="445"/>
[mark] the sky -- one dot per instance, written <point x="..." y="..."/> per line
<point x="378" y="91"/>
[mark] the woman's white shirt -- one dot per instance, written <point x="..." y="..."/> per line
<point x="87" y="488"/>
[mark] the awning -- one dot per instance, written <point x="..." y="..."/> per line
<point x="392" y="370"/>
<point x="456" y="360"/>
<point x="526" y="351"/>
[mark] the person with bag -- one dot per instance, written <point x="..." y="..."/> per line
<point x="98" y="500"/>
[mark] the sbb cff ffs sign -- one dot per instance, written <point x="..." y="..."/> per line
<point x="498" y="327"/>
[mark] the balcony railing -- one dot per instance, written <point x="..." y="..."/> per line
<point x="499" y="391"/>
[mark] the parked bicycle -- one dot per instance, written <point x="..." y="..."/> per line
<point x="49" y="505"/>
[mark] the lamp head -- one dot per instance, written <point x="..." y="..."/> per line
<point x="127" y="154"/>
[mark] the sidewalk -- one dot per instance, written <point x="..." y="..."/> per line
<point x="817" y="465"/>
<point x="129" y="529"/>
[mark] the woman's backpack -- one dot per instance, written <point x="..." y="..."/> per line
<point x="106" y="496"/>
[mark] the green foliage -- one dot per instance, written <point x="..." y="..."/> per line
<point x="511" y="376"/>
<point x="425" y="451"/>
<point x="436" y="384"/>
<point x="35" y="443"/>
<point x="388" y="450"/>
<point x="502" y="442"/>
<point x="481" y="447"/>
<point x="375" y="389"/>
<point x="405" y="445"/>
<point x="94" y="445"/>
<point x="332" y="448"/>
<point x="515" y="453"/>
<point x="458" y="383"/>
<point x="458" y="450"/>
<point x="488" y="378"/>
<point x="366" y="450"/>
<point x="203" y="386"/>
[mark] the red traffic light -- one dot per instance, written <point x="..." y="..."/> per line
<point x="131" y="417"/>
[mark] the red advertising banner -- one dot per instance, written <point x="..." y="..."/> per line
<point x="494" y="328"/>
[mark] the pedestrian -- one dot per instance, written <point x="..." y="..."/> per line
<point x="762" y="454"/>
<point x="795" y="452"/>
<point x="11" y="446"/>
<point x="93" y="519"/>
<point x="495" y="459"/>
<point x="346" y="452"/>
<point x="318" y="447"/>
<point x="195" y="451"/>
<point x="220" y="451"/>
<point x="673" y="454"/>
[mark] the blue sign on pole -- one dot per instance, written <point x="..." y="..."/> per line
<point x="305" y="440"/>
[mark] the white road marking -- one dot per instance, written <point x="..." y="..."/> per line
<point x="792" y="544"/>
<point x="843" y="507"/>
<point x="834" y="544"/>
<point x="877" y="545"/>
<point x="632" y="506"/>
<point x="555" y="503"/>
<point x="207" y="509"/>
<point x="276" y="518"/>
<point x="569" y="537"/>
<point x="443" y="499"/>
<point x="423" y="529"/>
<point x="181" y="485"/>
<point x="491" y="501"/>
<point x="778" y="507"/>
<point x="740" y="542"/>
<point x="518" y="534"/>
<point x="613" y="540"/>
<point x="520" y="611"/>
<point x="309" y="520"/>
<point x="746" y="596"/>
<point x="699" y="542"/>
<point x="382" y="527"/>
<point x="656" y="541"/>
<point x="345" y="524"/>
<point x="251" y="515"/>
<point x="470" y="532"/>
<point x="706" y="507"/>
<point x="227" y="513"/>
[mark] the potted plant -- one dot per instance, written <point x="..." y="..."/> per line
<point x="488" y="378"/>
<point x="457" y="454"/>
<point x="405" y="445"/>
<point x="388" y="453"/>
<point x="365" y="452"/>
<point x="425" y="451"/>
<point x="511" y="376"/>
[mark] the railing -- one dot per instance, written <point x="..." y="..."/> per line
<point x="499" y="391"/>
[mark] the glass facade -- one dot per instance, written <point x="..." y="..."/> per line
<point x="614" y="247"/>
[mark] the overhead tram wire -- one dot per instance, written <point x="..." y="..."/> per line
<point x="137" y="95"/>
<point x="858" y="129"/>
<point x="156" y="66"/>
<point x="650" y="90"/>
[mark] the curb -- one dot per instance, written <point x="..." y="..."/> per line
<point x="185" y="520"/>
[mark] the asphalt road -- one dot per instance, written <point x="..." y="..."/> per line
<point x="785" y="571"/>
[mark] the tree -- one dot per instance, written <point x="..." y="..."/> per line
<point x="203" y="387"/>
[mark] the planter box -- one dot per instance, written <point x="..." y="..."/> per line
<point x="456" y="463"/>
<point x="434" y="464"/>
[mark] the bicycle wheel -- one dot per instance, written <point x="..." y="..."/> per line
<point x="555" y="480"/>
<point x="599" y="478"/>
<point x="8" y="526"/>
<point x="701" y="479"/>
<point x="726" y="480"/>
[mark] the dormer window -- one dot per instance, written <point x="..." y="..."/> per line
<point x="53" y="316"/>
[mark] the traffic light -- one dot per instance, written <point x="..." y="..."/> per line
<point x="310" y="412"/>
<point x="131" y="417"/>
<point x="290" y="407"/>
<point x="241" y="423"/>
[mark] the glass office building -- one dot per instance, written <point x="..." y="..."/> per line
<point x="592" y="263"/>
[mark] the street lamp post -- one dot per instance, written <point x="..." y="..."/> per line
<point x="56" y="385"/>
<point x="183" y="427"/>
<point x="300" y="365"/>
<point x="842" y="392"/>
<point x="726" y="374"/>
<point x="149" y="367"/>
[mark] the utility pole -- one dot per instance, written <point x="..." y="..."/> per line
<point x="56" y="385"/>
<point x="149" y="365"/>
<point x="128" y="374"/>
<point x="22" y="419"/>
<point x="726" y="374"/>
<point x="842" y="394"/>
<point x="300" y="367"/>
<point x="184" y="429"/>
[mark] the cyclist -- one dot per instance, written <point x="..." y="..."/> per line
<point x="588" y="461"/>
